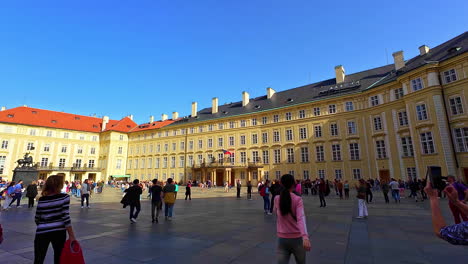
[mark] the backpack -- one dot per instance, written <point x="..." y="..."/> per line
<point x="263" y="190"/>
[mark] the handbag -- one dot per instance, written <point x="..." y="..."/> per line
<point x="72" y="253"/>
<point x="169" y="198"/>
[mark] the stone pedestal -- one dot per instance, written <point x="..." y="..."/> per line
<point x="27" y="174"/>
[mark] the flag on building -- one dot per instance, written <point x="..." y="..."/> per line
<point x="227" y="152"/>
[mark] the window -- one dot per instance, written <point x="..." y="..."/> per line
<point x="354" y="151"/>
<point x="289" y="134"/>
<point x="200" y="129"/>
<point x="407" y="147"/>
<point x="233" y="158"/>
<point x="190" y="160"/>
<point x="66" y="135"/>
<point x="291" y="172"/>
<point x="220" y="157"/>
<point x="266" y="175"/>
<point x="220" y="141"/>
<point x="403" y="118"/>
<point x="46" y="147"/>
<point x="264" y="120"/>
<point x="231" y="140"/>
<point x="377" y="123"/>
<point x="336" y="152"/>
<point x="349" y="106"/>
<point x="334" y="129"/>
<point x="266" y="156"/>
<point x="221" y="126"/>
<point x="427" y="143"/>
<point x="4" y="144"/>
<point x="30" y="146"/>
<point x="303" y="132"/>
<point x="136" y="163"/>
<point x="32" y="132"/>
<point x="278" y="174"/>
<point x="79" y="150"/>
<point x="255" y="157"/>
<point x="150" y="163"/>
<point x="182" y="145"/>
<point x="316" y="111"/>
<point x="381" y="151"/>
<point x="44" y="162"/>
<point x="174" y="147"/>
<point x="93" y="150"/>
<point x="277" y="156"/>
<point x="320" y="154"/>
<point x="357" y="174"/>
<point x="275" y="118"/>
<point x="150" y="148"/>
<point x="321" y="174"/>
<point x="49" y="133"/>
<point x="81" y="137"/>
<point x="318" y="131"/>
<point x="288" y="116"/>
<point x="306" y="175"/>
<point x="304" y="154"/>
<point x="374" y="100"/>
<point x="254" y="121"/>
<point x="164" y="162"/>
<point x="416" y="84"/>
<point x="2" y="164"/>
<point x="190" y="145"/>
<point x="129" y="164"/>
<point x="338" y="174"/>
<point x="421" y="112"/>
<point x="332" y="109"/>
<point x="91" y="164"/>
<point x="192" y="130"/>
<point x="200" y="143"/>
<point x="242" y="123"/>
<point x="242" y="174"/>
<point x="450" y="76"/>
<point x="166" y="148"/>
<point x="158" y="148"/>
<point x="456" y="105"/>
<point x="242" y="139"/>
<point x="182" y="160"/>
<point x="210" y="143"/>
<point x="243" y="157"/>
<point x="302" y="114"/>
<point x="254" y="139"/>
<point x="173" y="162"/>
<point x="157" y="163"/>
<point x="276" y="136"/>
<point x="264" y="137"/>
<point x="290" y="154"/>
<point x="351" y="127"/>
<point x="461" y="139"/>
<point x="210" y="127"/>
<point x="121" y="137"/>
<point x="62" y="163"/>
<point x="398" y="93"/>
<point x="142" y="163"/>
<point x="411" y="173"/>
<point x="118" y="164"/>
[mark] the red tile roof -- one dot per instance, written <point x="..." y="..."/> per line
<point x="153" y="125"/>
<point x="46" y="118"/>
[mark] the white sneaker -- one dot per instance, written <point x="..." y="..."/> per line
<point x="88" y="207"/>
<point x="360" y="217"/>
<point x="19" y="206"/>
<point x="133" y="220"/>
<point x="268" y="213"/>
<point x="82" y="207"/>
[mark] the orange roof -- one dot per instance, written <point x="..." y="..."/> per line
<point x="46" y="118"/>
<point x="153" y="125"/>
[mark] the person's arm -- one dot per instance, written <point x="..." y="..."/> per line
<point x="452" y="195"/>
<point x="66" y="218"/>
<point x="301" y="223"/>
<point x="438" y="221"/>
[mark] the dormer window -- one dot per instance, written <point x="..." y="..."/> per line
<point x="77" y="118"/>
<point x="11" y="116"/>
<point x="54" y="121"/>
<point x="289" y="100"/>
<point x="95" y="126"/>
<point x="34" y="112"/>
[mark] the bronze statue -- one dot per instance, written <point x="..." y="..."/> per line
<point x="27" y="161"/>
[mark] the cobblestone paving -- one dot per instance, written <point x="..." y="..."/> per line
<point x="217" y="228"/>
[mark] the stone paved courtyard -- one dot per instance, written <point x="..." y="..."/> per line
<point x="217" y="228"/>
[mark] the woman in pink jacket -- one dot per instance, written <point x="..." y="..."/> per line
<point x="291" y="224"/>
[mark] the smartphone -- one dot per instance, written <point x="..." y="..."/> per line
<point x="434" y="175"/>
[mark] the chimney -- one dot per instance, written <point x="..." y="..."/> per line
<point x="398" y="59"/>
<point x="130" y="116"/>
<point x="423" y="50"/>
<point x="151" y="119"/>
<point x="214" y="105"/>
<point x="3" y="108"/>
<point x="339" y="73"/>
<point x="175" y="115"/>
<point x="270" y="92"/>
<point x="194" y="109"/>
<point x="163" y="117"/>
<point x="245" y="98"/>
<point x="105" y="121"/>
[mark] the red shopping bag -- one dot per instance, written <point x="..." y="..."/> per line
<point x="72" y="253"/>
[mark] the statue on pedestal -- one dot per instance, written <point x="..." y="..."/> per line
<point x="26" y="161"/>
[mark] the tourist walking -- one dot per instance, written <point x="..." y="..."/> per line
<point x="239" y="186"/>
<point x="31" y="193"/>
<point x="275" y="189"/>
<point x="156" y="200"/>
<point x="291" y="227"/>
<point x="265" y="193"/>
<point x="249" y="190"/>
<point x="385" y="190"/>
<point x="52" y="220"/>
<point x="361" y="195"/>
<point x="462" y="191"/>
<point x="369" y="194"/>
<point x="188" y="191"/>
<point x="85" y="191"/>
<point x="395" y="190"/>
<point x="169" y="199"/>
<point x="414" y="188"/>
<point x="18" y="192"/>
<point x="322" y="189"/>
<point x="346" y="190"/>
<point x="10" y="193"/>
<point x="339" y="186"/>
<point x="132" y="198"/>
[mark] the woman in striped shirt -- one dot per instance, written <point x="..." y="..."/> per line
<point x="52" y="220"/>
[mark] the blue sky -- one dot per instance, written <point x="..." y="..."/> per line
<point x="151" y="57"/>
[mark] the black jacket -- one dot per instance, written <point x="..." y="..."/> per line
<point x="132" y="196"/>
<point x="31" y="191"/>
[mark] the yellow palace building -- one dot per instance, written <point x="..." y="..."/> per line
<point x="390" y="121"/>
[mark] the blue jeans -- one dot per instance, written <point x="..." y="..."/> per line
<point x="396" y="195"/>
<point x="266" y="203"/>
<point x="78" y="193"/>
<point x="168" y="208"/>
